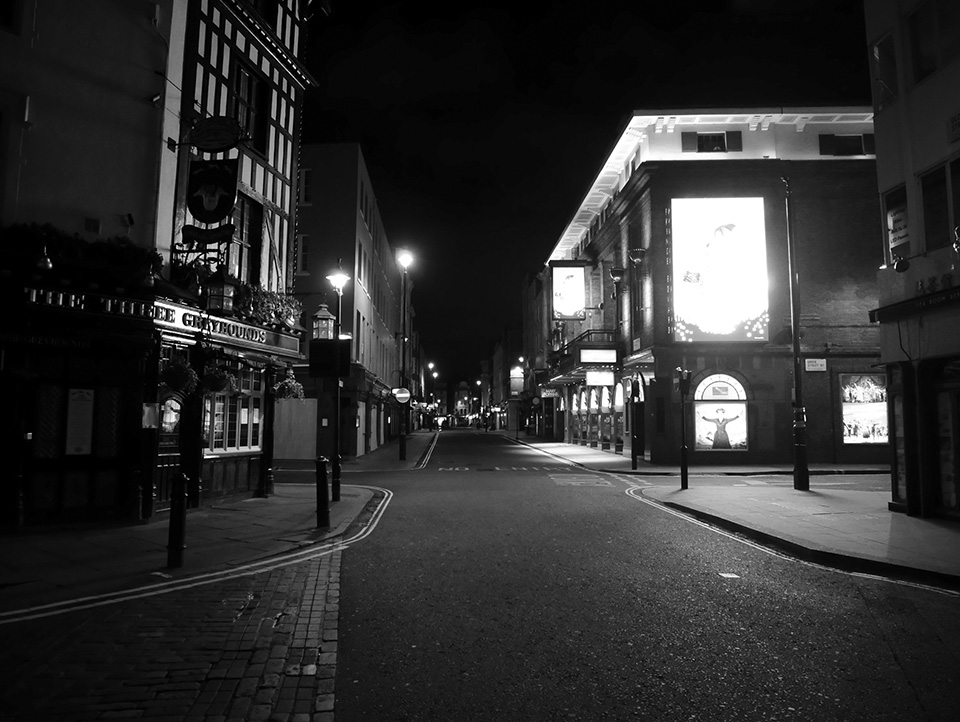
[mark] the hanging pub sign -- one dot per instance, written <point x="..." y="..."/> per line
<point x="569" y="291"/>
<point x="216" y="134"/>
<point x="212" y="189"/>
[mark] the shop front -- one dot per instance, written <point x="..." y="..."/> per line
<point x="114" y="397"/>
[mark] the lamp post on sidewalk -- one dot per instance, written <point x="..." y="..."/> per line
<point x="404" y="258"/>
<point x="801" y="472"/>
<point x="338" y="279"/>
<point x="683" y="377"/>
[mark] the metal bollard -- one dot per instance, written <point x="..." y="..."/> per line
<point x="323" y="501"/>
<point x="178" y="521"/>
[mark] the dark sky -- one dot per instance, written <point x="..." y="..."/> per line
<point x="483" y="127"/>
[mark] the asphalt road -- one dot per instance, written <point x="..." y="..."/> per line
<point x="504" y="585"/>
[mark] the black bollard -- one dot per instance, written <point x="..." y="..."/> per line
<point x="178" y="521"/>
<point x="323" y="501"/>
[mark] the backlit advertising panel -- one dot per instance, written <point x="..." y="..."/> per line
<point x="569" y="292"/>
<point x="719" y="269"/>
<point x="864" y="399"/>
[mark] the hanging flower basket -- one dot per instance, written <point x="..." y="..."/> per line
<point x="288" y="388"/>
<point x="179" y="377"/>
<point x="218" y="380"/>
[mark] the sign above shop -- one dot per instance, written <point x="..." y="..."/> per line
<point x="228" y="330"/>
<point x="815" y="364"/>
<point x="598" y="355"/>
<point x="216" y="134"/>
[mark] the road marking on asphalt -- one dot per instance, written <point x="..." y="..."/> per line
<point x="259" y="567"/>
<point x="728" y="575"/>
<point x="579" y="480"/>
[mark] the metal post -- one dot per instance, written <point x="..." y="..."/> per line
<point x="335" y="490"/>
<point x="801" y="472"/>
<point x="177" y="532"/>
<point x="684" y="377"/>
<point x="403" y="365"/>
<point x="323" y="503"/>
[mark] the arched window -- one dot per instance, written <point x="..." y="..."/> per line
<point x="720" y="414"/>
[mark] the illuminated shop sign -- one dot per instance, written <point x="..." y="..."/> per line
<point x="719" y="269"/>
<point x="600" y="378"/>
<point x="569" y="292"/>
<point x="598" y="355"/>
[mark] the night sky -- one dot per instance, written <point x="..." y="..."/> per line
<point x="483" y="127"/>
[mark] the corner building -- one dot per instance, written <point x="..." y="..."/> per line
<point x="677" y="257"/>
<point x="145" y="333"/>
<point x="915" y="68"/>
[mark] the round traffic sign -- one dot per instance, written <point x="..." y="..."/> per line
<point x="402" y="395"/>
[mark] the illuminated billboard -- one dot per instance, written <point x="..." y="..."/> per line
<point x="719" y="269"/>
<point x="569" y="292"/>
<point x="864" y="399"/>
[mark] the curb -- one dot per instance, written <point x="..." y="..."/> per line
<point x="836" y="560"/>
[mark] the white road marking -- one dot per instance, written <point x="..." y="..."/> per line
<point x="245" y="570"/>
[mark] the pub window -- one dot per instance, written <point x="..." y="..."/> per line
<point x="232" y="418"/>
<point x="883" y="63"/>
<point x="252" y="105"/>
<point x="934" y="32"/>
<point x="243" y="254"/>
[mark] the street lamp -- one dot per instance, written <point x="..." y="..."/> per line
<point x="338" y="279"/>
<point x="404" y="258"/>
<point x="683" y="376"/>
<point x="801" y="473"/>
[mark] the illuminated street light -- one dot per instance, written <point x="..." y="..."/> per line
<point x="338" y="279"/>
<point x="404" y="258"/>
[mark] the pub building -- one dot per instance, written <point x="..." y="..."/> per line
<point x="147" y="254"/>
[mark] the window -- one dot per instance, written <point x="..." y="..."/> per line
<point x="720" y="414"/>
<point x="305" y="197"/>
<point x="267" y="10"/>
<point x="233" y="422"/>
<point x="243" y="253"/>
<point x="934" y="32"/>
<point x="303" y="255"/>
<point x="883" y="63"/>
<point x="846" y="145"/>
<point x="933" y="188"/>
<point x="724" y="142"/>
<point x="252" y="105"/>
<point x="898" y="227"/>
<point x="10" y="16"/>
<point x="940" y="202"/>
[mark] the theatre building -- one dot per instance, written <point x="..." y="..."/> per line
<point x="676" y="265"/>
<point x="146" y="224"/>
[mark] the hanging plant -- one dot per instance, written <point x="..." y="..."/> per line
<point x="217" y="379"/>
<point x="180" y="377"/>
<point x="288" y="387"/>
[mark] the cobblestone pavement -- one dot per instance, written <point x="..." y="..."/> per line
<point x="258" y="647"/>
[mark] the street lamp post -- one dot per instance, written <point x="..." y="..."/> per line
<point x="338" y="279"/>
<point x="405" y="258"/>
<point x="323" y="325"/>
<point x="683" y="377"/>
<point x="801" y="472"/>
